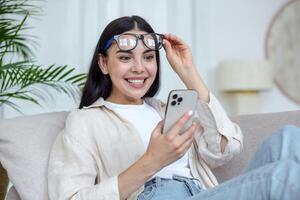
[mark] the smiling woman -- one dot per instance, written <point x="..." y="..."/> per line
<point x="119" y="118"/>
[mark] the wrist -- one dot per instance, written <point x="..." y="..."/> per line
<point x="150" y="165"/>
<point x="189" y="73"/>
<point x="193" y="80"/>
<point x="136" y="175"/>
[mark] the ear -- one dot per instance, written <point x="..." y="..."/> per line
<point x="102" y="63"/>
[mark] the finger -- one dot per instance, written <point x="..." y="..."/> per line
<point x="158" y="129"/>
<point x="167" y="46"/>
<point x="188" y="134"/>
<point x="185" y="146"/>
<point x="173" y="39"/>
<point x="179" y="140"/>
<point x="180" y="123"/>
<point x="176" y="44"/>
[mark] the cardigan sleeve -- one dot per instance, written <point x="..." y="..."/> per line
<point x="216" y="124"/>
<point x="72" y="170"/>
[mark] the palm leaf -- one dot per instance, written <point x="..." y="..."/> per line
<point x="11" y="104"/>
<point x="23" y="75"/>
<point x="22" y="79"/>
<point x="18" y="7"/>
<point x="11" y="39"/>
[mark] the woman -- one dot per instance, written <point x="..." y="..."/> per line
<point x="113" y="146"/>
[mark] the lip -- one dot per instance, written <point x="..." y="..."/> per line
<point x="136" y="85"/>
<point x="136" y="78"/>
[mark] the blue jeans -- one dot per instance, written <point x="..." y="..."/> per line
<point x="274" y="173"/>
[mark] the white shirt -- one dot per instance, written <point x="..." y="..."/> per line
<point x="145" y="118"/>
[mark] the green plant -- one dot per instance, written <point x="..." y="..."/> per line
<point x="20" y="77"/>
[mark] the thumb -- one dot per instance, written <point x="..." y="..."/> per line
<point x="158" y="129"/>
<point x="167" y="46"/>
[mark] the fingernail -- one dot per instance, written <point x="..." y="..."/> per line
<point x="190" y="112"/>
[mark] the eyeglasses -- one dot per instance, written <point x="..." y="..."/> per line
<point x="128" y="41"/>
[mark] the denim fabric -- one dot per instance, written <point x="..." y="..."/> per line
<point x="273" y="174"/>
<point x="177" y="188"/>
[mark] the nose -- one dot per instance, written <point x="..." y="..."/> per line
<point x="139" y="63"/>
<point x="138" y="66"/>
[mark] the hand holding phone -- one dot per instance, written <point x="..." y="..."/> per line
<point x="179" y="103"/>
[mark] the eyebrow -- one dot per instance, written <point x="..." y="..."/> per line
<point x="130" y="52"/>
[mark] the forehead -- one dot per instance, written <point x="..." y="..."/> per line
<point x="135" y="32"/>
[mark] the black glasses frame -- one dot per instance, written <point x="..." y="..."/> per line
<point x="141" y="37"/>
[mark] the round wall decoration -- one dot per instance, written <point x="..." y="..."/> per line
<point x="282" y="48"/>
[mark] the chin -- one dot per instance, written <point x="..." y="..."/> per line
<point x="136" y="95"/>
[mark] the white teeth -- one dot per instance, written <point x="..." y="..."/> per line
<point x="135" y="81"/>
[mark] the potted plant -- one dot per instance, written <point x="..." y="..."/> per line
<point x="20" y="77"/>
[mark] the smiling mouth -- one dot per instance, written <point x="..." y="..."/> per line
<point x="136" y="83"/>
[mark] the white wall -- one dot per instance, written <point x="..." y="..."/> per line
<point x="237" y="29"/>
<point x="69" y="29"/>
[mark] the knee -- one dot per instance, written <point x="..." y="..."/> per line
<point x="286" y="165"/>
<point x="288" y="133"/>
<point x="285" y="179"/>
<point x="291" y="131"/>
<point x="286" y="170"/>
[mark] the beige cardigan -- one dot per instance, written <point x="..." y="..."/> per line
<point x="97" y="144"/>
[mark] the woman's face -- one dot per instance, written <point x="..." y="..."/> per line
<point x="131" y="72"/>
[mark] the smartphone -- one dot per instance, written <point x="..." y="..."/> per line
<point x="179" y="102"/>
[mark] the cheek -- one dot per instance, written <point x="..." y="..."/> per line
<point x="116" y="68"/>
<point x="153" y="69"/>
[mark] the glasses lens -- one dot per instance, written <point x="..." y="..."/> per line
<point x="126" y="42"/>
<point x="153" y="41"/>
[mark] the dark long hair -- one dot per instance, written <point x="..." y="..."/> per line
<point x="99" y="84"/>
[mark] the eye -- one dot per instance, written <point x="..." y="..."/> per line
<point x="149" y="57"/>
<point x="124" y="58"/>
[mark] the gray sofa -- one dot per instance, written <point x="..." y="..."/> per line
<point x="25" y="143"/>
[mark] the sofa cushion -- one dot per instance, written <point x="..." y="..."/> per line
<point x="25" y="143"/>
